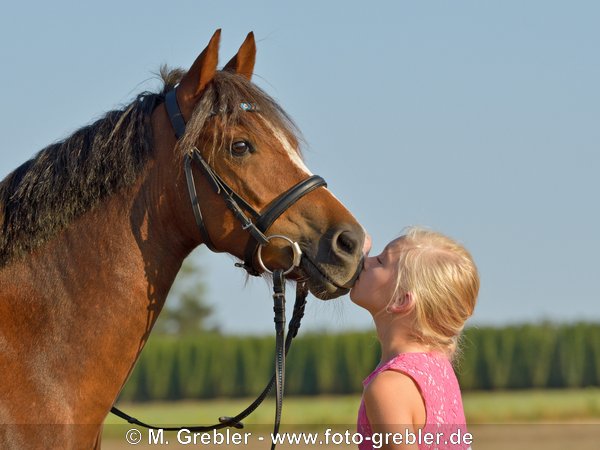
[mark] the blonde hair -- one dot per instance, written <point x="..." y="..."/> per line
<point x="442" y="278"/>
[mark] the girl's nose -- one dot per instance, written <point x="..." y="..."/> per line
<point x="368" y="262"/>
<point x="367" y="245"/>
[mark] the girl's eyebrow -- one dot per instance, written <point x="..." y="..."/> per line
<point x="388" y="253"/>
<point x="392" y="251"/>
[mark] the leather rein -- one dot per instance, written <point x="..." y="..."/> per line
<point x="256" y="226"/>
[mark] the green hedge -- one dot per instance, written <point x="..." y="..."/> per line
<point x="512" y="357"/>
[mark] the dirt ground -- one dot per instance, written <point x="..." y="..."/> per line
<point x="485" y="437"/>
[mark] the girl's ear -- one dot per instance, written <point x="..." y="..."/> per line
<point x="403" y="304"/>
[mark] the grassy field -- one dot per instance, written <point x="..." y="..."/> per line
<point x="498" y="420"/>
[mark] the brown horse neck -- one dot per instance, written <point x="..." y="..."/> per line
<point x="83" y="304"/>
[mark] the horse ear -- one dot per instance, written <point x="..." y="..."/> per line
<point x="243" y="62"/>
<point x="202" y="71"/>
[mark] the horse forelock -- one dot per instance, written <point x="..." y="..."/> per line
<point x="223" y="99"/>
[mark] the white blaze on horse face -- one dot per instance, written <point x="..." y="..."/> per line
<point x="293" y="153"/>
<point x="289" y="148"/>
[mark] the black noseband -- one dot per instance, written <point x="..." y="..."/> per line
<point x="239" y="207"/>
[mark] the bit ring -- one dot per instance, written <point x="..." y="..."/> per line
<point x="297" y="253"/>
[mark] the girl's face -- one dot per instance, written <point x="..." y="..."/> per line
<point x="377" y="281"/>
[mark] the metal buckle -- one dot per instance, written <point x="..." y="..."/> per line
<point x="297" y="253"/>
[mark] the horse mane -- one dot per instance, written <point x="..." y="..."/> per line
<point x="70" y="177"/>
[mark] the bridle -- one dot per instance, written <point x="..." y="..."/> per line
<point x="256" y="228"/>
<point x="262" y="220"/>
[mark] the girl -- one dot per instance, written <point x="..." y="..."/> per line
<point x="420" y="291"/>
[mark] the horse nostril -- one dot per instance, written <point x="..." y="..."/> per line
<point x="347" y="242"/>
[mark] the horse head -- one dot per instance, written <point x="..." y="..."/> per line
<point x="239" y="144"/>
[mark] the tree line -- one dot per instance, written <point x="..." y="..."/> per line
<point x="491" y="358"/>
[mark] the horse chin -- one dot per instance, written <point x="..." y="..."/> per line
<point x="320" y="285"/>
<point x="326" y="291"/>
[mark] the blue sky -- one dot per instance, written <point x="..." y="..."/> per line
<point x="477" y="119"/>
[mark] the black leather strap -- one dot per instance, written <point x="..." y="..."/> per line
<point x="275" y="209"/>
<point x="174" y="113"/>
<point x="238" y="206"/>
<point x="191" y="185"/>
<point x="256" y="230"/>
<point x="279" y="310"/>
<point x="236" y="421"/>
<point x="287" y="199"/>
<point x="231" y="199"/>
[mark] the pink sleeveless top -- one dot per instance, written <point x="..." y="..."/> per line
<point x="445" y="417"/>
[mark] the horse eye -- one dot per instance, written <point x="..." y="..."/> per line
<point x="240" y="148"/>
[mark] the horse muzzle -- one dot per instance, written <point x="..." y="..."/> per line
<point x="333" y="265"/>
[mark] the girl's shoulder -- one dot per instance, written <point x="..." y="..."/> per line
<point x="427" y="369"/>
<point x="390" y="379"/>
<point x="393" y="397"/>
<point x="415" y="365"/>
<point x="419" y="361"/>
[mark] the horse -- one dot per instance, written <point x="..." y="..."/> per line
<point x="94" y="229"/>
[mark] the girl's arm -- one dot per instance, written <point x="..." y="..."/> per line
<point x="395" y="408"/>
